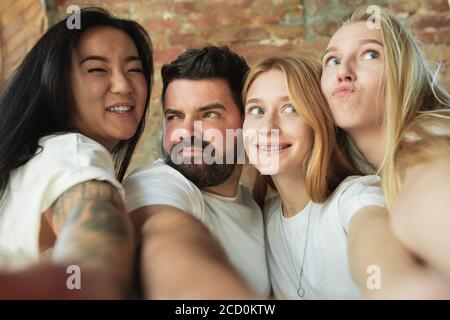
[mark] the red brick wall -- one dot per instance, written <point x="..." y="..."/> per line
<point x="255" y="29"/>
<point x="22" y="23"/>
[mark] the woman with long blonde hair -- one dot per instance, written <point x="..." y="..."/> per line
<point x="324" y="215"/>
<point x="395" y="118"/>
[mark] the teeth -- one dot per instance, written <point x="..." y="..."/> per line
<point x="120" y="109"/>
<point x="272" y="148"/>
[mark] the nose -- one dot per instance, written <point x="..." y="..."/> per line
<point x="188" y="128"/>
<point x="345" y="72"/>
<point x="120" y="84"/>
<point x="270" y="125"/>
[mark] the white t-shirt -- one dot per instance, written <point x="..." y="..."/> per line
<point x="326" y="268"/>
<point x="236" y="222"/>
<point x="65" y="161"/>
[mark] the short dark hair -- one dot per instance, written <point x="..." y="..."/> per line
<point x="210" y="62"/>
<point x="38" y="101"/>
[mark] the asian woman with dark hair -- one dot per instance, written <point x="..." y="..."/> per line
<point x="72" y="114"/>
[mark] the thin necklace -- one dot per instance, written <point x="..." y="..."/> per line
<point x="300" y="290"/>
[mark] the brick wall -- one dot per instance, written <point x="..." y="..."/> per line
<point x="22" y="23"/>
<point x="256" y="29"/>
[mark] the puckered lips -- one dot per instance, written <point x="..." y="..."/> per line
<point x="343" y="90"/>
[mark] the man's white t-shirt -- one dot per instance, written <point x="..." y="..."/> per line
<point x="64" y="161"/>
<point x="326" y="268"/>
<point x="237" y="222"/>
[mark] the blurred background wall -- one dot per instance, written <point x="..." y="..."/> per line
<point x="254" y="29"/>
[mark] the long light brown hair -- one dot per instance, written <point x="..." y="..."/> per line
<point x="325" y="166"/>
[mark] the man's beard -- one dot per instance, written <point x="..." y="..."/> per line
<point x="202" y="174"/>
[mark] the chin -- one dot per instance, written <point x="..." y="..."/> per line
<point x="345" y="122"/>
<point x="271" y="169"/>
<point x="125" y="135"/>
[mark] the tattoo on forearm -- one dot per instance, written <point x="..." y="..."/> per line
<point x="93" y="230"/>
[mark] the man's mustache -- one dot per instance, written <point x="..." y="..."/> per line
<point x="189" y="143"/>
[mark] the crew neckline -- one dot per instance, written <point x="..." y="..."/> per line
<point x="224" y="198"/>
<point x="301" y="215"/>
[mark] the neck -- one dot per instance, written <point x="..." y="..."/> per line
<point x="292" y="190"/>
<point x="372" y="144"/>
<point x="229" y="187"/>
<point x="109" y="144"/>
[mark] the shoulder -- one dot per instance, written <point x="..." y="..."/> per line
<point x="64" y="161"/>
<point x="157" y="167"/>
<point x="160" y="173"/>
<point x="427" y="139"/>
<point x="74" y="149"/>
<point x="354" y="194"/>
<point x="70" y="139"/>
<point x="428" y="126"/>
<point x="160" y="184"/>
<point x="271" y="206"/>
<point x="355" y="185"/>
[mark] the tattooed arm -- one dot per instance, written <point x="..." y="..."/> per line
<point x="93" y="231"/>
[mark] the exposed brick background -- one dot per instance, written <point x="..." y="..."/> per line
<point x="22" y="23"/>
<point x="252" y="28"/>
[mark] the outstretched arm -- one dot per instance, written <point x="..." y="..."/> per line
<point x="181" y="259"/>
<point x="94" y="232"/>
<point x="421" y="214"/>
<point x="382" y="267"/>
<point x="49" y="282"/>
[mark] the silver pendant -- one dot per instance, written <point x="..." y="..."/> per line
<point x="300" y="290"/>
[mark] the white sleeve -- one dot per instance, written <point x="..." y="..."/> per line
<point x="358" y="193"/>
<point x="162" y="185"/>
<point x="71" y="159"/>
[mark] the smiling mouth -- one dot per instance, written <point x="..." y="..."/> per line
<point x="120" y="109"/>
<point x="272" y="149"/>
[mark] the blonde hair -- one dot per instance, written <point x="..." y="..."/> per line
<point x="412" y="98"/>
<point x="325" y="166"/>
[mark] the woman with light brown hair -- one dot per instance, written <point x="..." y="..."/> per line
<point x="324" y="217"/>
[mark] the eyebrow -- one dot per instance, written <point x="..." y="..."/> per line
<point x="207" y="107"/>
<point x="257" y="100"/>
<point x="172" y="111"/>
<point x="104" y="59"/>
<point x="212" y="106"/>
<point x="364" y="41"/>
<point x="361" y="42"/>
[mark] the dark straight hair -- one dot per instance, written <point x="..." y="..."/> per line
<point x="210" y="62"/>
<point x="38" y="101"/>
